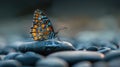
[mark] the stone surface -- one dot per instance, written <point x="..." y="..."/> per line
<point x="112" y="55"/>
<point x="10" y="63"/>
<point x="51" y="62"/>
<point x="92" y="48"/>
<point x="28" y="58"/>
<point x="76" y="56"/>
<point x="83" y="64"/>
<point x="11" y="56"/>
<point x="114" y="62"/>
<point x="100" y="64"/>
<point x="46" y="47"/>
<point x="104" y="43"/>
<point x="104" y="50"/>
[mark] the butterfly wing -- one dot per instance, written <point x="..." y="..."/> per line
<point x="42" y="27"/>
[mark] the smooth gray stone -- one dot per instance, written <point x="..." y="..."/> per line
<point x="10" y="63"/>
<point x="46" y="47"/>
<point x="114" y="63"/>
<point x="52" y="62"/>
<point x="29" y="58"/>
<point x="11" y="56"/>
<point x="112" y="55"/>
<point x="104" y="43"/>
<point x="83" y="64"/>
<point x="100" y="64"/>
<point x="104" y="50"/>
<point x="76" y="56"/>
<point x="92" y="48"/>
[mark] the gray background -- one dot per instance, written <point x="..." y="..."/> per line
<point x="84" y="18"/>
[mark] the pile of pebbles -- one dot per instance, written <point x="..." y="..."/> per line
<point x="61" y="54"/>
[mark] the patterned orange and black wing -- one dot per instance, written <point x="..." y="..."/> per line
<point x="42" y="27"/>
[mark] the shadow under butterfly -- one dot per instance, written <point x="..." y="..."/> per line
<point x="42" y="27"/>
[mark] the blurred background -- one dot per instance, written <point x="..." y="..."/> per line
<point x="85" y="19"/>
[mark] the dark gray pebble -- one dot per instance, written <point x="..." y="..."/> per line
<point x="100" y="64"/>
<point x="28" y="58"/>
<point x="112" y="55"/>
<point x="46" y="47"/>
<point x="83" y="64"/>
<point x="92" y="48"/>
<point x="104" y="50"/>
<point x="11" y="56"/>
<point x="104" y="43"/>
<point x="51" y="62"/>
<point x="76" y="56"/>
<point x="10" y="63"/>
<point x="114" y="62"/>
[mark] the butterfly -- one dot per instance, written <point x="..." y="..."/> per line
<point x="42" y="28"/>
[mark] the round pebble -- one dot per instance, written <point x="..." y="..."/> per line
<point x="11" y="56"/>
<point x="46" y="47"/>
<point x="28" y="58"/>
<point x="100" y="64"/>
<point x="92" y="48"/>
<point x="51" y="62"/>
<point x="104" y="50"/>
<point x="104" y="43"/>
<point x="76" y="56"/>
<point x="112" y="55"/>
<point x="10" y="63"/>
<point x="114" y="63"/>
<point x="83" y="64"/>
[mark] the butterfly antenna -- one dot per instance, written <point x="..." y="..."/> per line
<point x="59" y="31"/>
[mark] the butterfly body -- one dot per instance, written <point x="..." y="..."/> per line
<point x="42" y="27"/>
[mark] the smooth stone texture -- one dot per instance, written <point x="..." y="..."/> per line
<point x="104" y="50"/>
<point x="6" y="50"/>
<point x="83" y="64"/>
<point x="114" y="63"/>
<point x="51" y="62"/>
<point x="112" y="55"/>
<point x="116" y="42"/>
<point x="83" y="45"/>
<point x="76" y="56"/>
<point x="10" y="63"/>
<point x="28" y="58"/>
<point x="11" y="56"/>
<point x="46" y="47"/>
<point x="92" y="48"/>
<point x="73" y="41"/>
<point x="100" y="64"/>
<point x="104" y="43"/>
